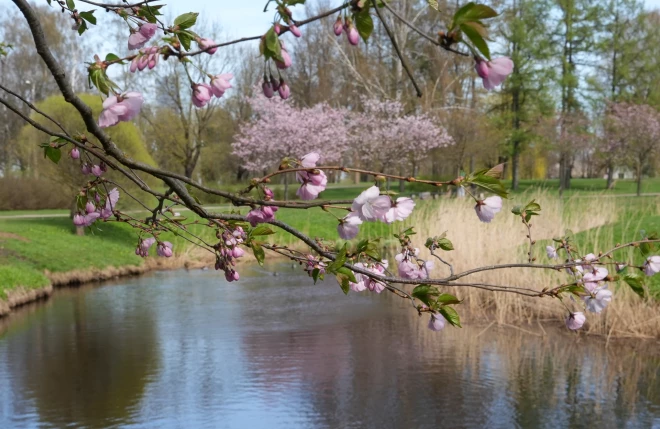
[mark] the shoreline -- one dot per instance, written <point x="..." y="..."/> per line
<point x="21" y="296"/>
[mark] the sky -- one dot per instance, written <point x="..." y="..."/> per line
<point x="240" y="18"/>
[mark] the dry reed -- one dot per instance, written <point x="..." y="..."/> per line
<point x="504" y="241"/>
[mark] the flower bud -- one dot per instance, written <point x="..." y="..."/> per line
<point x="267" y="89"/>
<point x="277" y="28"/>
<point x="284" y="90"/>
<point x="268" y="193"/>
<point x="338" y="27"/>
<point x="204" y="44"/>
<point x="90" y="207"/>
<point x="96" y="170"/>
<point x="353" y="35"/>
<point x="86" y="169"/>
<point x="295" y="30"/>
<point x="75" y="153"/>
<point x="286" y="61"/>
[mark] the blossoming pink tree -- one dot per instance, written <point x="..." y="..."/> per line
<point x="385" y="138"/>
<point x="635" y="135"/>
<point x="424" y="281"/>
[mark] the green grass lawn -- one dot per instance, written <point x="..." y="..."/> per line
<point x="50" y="243"/>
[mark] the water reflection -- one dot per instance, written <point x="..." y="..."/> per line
<point x="190" y="350"/>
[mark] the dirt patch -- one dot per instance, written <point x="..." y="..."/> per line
<point x="12" y="236"/>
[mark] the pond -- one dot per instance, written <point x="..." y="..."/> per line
<point x="187" y="350"/>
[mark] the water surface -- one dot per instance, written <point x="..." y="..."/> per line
<point x="187" y="350"/>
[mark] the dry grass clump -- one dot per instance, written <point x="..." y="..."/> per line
<point x="504" y="241"/>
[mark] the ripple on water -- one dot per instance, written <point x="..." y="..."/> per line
<point x="177" y="349"/>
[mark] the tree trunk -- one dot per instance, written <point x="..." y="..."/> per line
<point x="610" y="176"/>
<point x="515" y="167"/>
<point x="639" y="181"/>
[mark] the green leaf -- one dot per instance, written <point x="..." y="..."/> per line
<point x="451" y="315"/>
<point x="426" y="293"/>
<point x="533" y="206"/>
<point x="261" y="230"/>
<point x="186" y="20"/>
<point x="111" y="57"/>
<point x="491" y="184"/>
<point x="364" y="24"/>
<point x="272" y="47"/>
<point x="316" y="274"/>
<point x="472" y="12"/>
<point x="82" y="28"/>
<point x="100" y="80"/>
<point x="347" y="272"/>
<point x="53" y="153"/>
<point x="259" y="253"/>
<point x="343" y="281"/>
<point x="473" y="31"/>
<point x="517" y="210"/>
<point x="445" y="244"/>
<point x="185" y="38"/>
<point x="70" y="4"/>
<point x="339" y="261"/>
<point x="636" y="283"/>
<point x="88" y="16"/>
<point x="433" y="4"/>
<point x="447" y="299"/>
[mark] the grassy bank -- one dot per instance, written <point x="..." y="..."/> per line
<point x="31" y="250"/>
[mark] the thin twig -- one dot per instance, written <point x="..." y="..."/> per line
<point x="404" y="63"/>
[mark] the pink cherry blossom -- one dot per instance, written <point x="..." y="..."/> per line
<point x="598" y="299"/>
<point x="437" y="322"/>
<point x="652" y="265"/>
<point x="90" y="207"/>
<point x="360" y="285"/>
<point x="261" y="215"/>
<point x="575" y="320"/>
<point x="338" y="26"/>
<point x="164" y="249"/>
<point x="408" y="269"/>
<point x="348" y="226"/>
<point x="312" y="186"/>
<point x="400" y="210"/>
<point x="90" y="218"/>
<point x="494" y="72"/>
<point x="220" y="83"/>
<point x="205" y="45"/>
<point x="75" y="153"/>
<point x="143" y="246"/>
<point x="139" y="38"/>
<point x="268" y="194"/>
<point x="120" y="108"/>
<point x="237" y="252"/>
<point x="202" y="93"/>
<point x="551" y="251"/>
<point x="488" y="208"/>
<point x="78" y="220"/>
<point x="371" y="206"/>
<point x="295" y="30"/>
